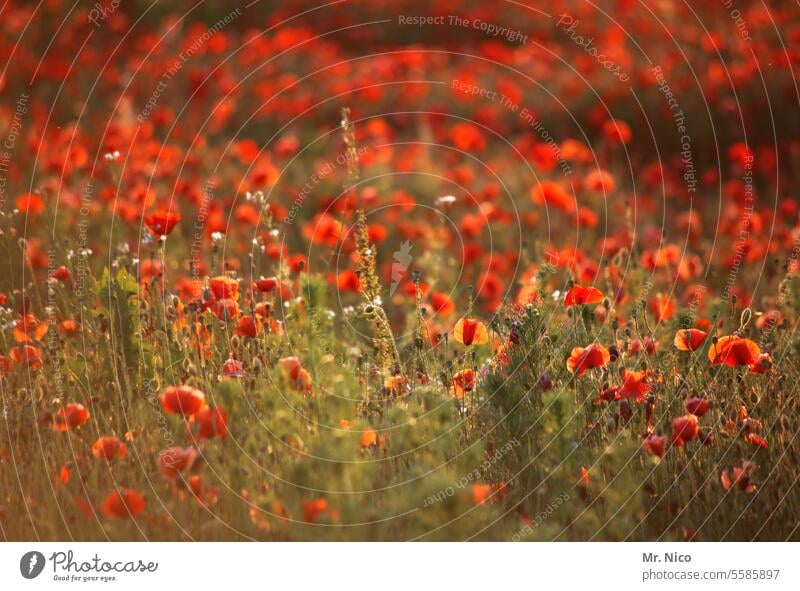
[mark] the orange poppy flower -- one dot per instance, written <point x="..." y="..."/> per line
<point x="442" y="304"/>
<point x="690" y="339"/>
<point x="70" y="327"/>
<point x="741" y="478"/>
<point x="734" y="350"/>
<point x="109" y="448"/>
<point x="662" y="307"/>
<point x="28" y="329"/>
<point x="313" y="509"/>
<point x="368" y="438"/>
<point x="162" y="222"/>
<point x="470" y="332"/>
<point x="396" y="385"/>
<point x="684" y="429"/>
<point x="72" y="416"/>
<point x="483" y="493"/>
<point x="293" y="371"/>
<point x="463" y="382"/>
<point x="183" y="400"/>
<point x="579" y="295"/>
<point x="224" y="287"/>
<point x="583" y="358"/>
<point x="27" y="355"/>
<point x="123" y="504"/>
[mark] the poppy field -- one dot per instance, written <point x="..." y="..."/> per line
<point x="349" y="271"/>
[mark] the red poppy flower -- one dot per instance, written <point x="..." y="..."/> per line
<point x="183" y="400"/>
<point x="212" y="422"/>
<point x="579" y="295"/>
<point x="226" y="309"/>
<point x="273" y="284"/>
<point x="30" y="203"/>
<point x="123" y="504"/>
<point x="654" y="444"/>
<point x="60" y="274"/>
<point x="734" y="350"/>
<point x="162" y="222"/>
<point x="470" y="332"/>
<point x="347" y="280"/>
<point x="617" y="131"/>
<point x="762" y="364"/>
<point x="248" y="327"/>
<point x="756" y="440"/>
<point x="171" y="462"/>
<point x="552" y="194"/>
<point x="684" y="429"/>
<point x="583" y="358"/>
<point x="741" y="478"/>
<point x="697" y="406"/>
<point x="232" y="368"/>
<point x="634" y="385"/>
<point x="72" y="416"/>
<point x="109" y="448"/>
<point x="690" y="339"/>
